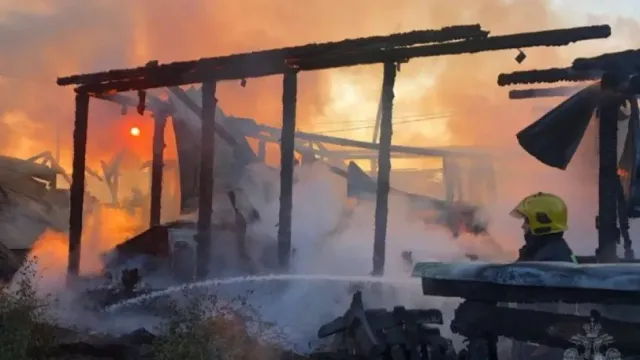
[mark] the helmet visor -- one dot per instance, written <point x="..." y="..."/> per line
<point x="516" y="213"/>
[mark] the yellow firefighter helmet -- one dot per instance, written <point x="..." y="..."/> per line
<point x="543" y="213"/>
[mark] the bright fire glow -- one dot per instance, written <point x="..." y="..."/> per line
<point x="134" y="131"/>
<point x="104" y="229"/>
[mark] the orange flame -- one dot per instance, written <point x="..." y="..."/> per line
<point x="103" y="230"/>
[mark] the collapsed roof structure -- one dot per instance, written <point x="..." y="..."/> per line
<point x="614" y="100"/>
<point x="390" y="50"/>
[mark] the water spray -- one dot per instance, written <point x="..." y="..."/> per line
<point x="263" y="278"/>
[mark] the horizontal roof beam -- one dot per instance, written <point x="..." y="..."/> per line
<point x="560" y="91"/>
<point x="376" y="42"/>
<point x="420" y="151"/>
<point x="582" y="69"/>
<point x="258" y="64"/>
<point x="544" y="76"/>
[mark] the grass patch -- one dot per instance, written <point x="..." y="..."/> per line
<point x="205" y="327"/>
<point x="26" y="323"/>
<point x="197" y="326"/>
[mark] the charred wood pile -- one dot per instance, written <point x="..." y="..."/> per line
<point x="380" y="334"/>
<point x="563" y="308"/>
<point x="558" y="308"/>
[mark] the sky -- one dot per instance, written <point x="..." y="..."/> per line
<point x="43" y="39"/>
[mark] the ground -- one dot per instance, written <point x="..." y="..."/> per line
<point x="198" y="328"/>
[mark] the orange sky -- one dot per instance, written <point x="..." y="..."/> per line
<point x="46" y="39"/>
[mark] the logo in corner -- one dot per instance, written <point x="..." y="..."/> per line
<point x="593" y="344"/>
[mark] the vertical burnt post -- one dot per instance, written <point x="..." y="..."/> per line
<point x="76" y="195"/>
<point x="608" y="233"/>
<point x="157" y="168"/>
<point x="287" y="139"/>
<point x="384" y="168"/>
<point x="207" y="156"/>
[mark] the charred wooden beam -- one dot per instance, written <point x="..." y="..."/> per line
<point x="547" y="76"/>
<point x="492" y="292"/>
<point x="153" y="103"/>
<point x="287" y="147"/>
<point x="437" y="152"/>
<point x="561" y="91"/>
<point x="607" y="221"/>
<point x="582" y="69"/>
<point x="244" y="66"/>
<point x="157" y="169"/>
<point x="594" y="260"/>
<point x="474" y="319"/>
<point x="559" y="37"/>
<point x="531" y="282"/>
<point x="76" y="196"/>
<point x="207" y="157"/>
<point x="246" y="153"/>
<point x="384" y="168"/>
<point x="618" y="73"/>
<point x="627" y="61"/>
<point x="279" y="55"/>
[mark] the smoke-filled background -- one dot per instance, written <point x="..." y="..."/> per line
<point x="45" y="39"/>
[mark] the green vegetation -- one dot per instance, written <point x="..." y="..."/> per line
<point x="200" y="326"/>
<point x="191" y="332"/>
<point x="25" y="322"/>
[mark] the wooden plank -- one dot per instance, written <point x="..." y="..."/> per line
<point x="540" y="327"/>
<point x="552" y="75"/>
<point x="582" y="69"/>
<point x="384" y="168"/>
<point x="207" y="157"/>
<point x="530" y="282"/>
<point x="242" y="146"/>
<point x="157" y="169"/>
<point x="77" y="184"/>
<point x="287" y="145"/>
<point x="608" y="181"/>
<point x="560" y="91"/>
<point x="419" y="151"/>
<point x="247" y="66"/>
<point x="558" y="37"/>
<point x="279" y="55"/>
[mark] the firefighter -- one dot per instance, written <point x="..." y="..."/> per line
<point x="544" y="219"/>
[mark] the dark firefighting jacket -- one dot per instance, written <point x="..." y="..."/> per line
<point x="552" y="247"/>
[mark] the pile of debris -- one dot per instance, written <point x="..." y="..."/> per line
<point x="400" y="334"/>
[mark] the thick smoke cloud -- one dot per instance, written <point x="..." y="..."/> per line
<point x="42" y="40"/>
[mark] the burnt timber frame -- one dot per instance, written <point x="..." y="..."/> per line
<point x="76" y="193"/>
<point x="207" y="156"/>
<point x="560" y="91"/>
<point x="160" y="111"/>
<point x="157" y="168"/>
<point x="610" y="69"/>
<point x="384" y="168"/>
<point x="392" y="49"/>
<point x="287" y="147"/>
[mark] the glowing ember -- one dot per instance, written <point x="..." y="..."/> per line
<point x="135" y="131"/>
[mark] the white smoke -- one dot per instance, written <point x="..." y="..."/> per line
<point x="331" y="237"/>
